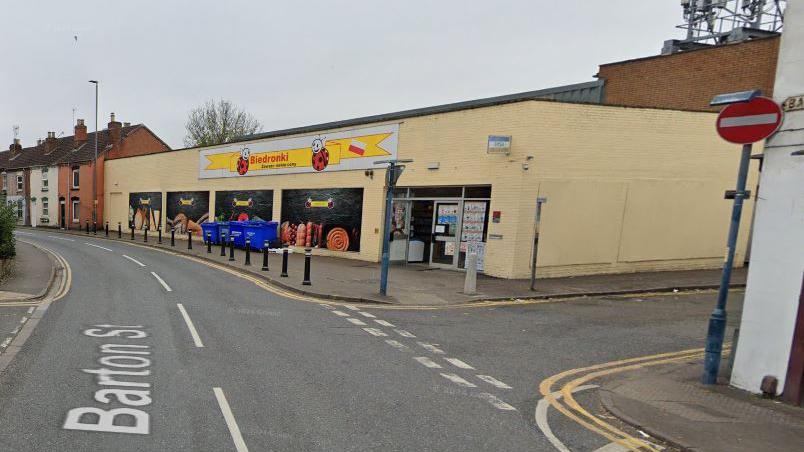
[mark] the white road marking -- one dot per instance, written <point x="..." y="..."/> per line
<point x="396" y="344"/>
<point x="427" y="362"/>
<point x="31" y="309"/>
<point x="496" y="402"/>
<point x="752" y="120"/>
<point x="404" y="333"/>
<point x="375" y="332"/>
<point x="190" y="326"/>
<point x="458" y="380"/>
<point x="431" y="348"/>
<point x="23" y="319"/>
<point x="162" y="281"/>
<point x="541" y="418"/>
<point x="612" y="447"/>
<point x="326" y="306"/>
<point x="234" y="430"/>
<point x="134" y="260"/>
<point x="458" y="363"/>
<point x="493" y="381"/>
<point x="340" y="313"/>
<point x="353" y="308"/>
<point x="357" y="322"/>
<point x="5" y="343"/>
<point x="384" y="323"/>
<point x="23" y="233"/>
<point x="61" y="238"/>
<point x="97" y="246"/>
<point x="16" y="330"/>
<point x="367" y="315"/>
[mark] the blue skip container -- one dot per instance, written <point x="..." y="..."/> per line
<point x="211" y="228"/>
<point x="259" y="232"/>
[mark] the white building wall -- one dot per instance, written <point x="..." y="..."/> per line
<point x="39" y="191"/>
<point x="777" y="251"/>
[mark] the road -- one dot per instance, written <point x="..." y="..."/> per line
<point x="206" y="360"/>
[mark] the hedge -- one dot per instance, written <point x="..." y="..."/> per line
<point x="8" y="221"/>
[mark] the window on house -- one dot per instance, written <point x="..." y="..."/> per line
<point x="75" y="205"/>
<point x="45" y="208"/>
<point x="76" y="177"/>
<point x="19" y="210"/>
<point x="5" y="181"/>
<point x="44" y="179"/>
<point x="19" y="182"/>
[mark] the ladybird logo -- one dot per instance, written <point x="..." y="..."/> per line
<point x="242" y="162"/>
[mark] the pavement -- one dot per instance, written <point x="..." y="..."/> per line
<point x="190" y="357"/>
<point x="31" y="274"/>
<point x="669" y="402"/>
<point x="411" y="285"/>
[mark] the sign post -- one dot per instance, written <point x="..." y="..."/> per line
<point x="395" y="168"/>
<point x="747" y="118"/>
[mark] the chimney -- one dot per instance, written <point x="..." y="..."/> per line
<point x="50" y="142"/>
<point x="114" y="130"/>
<point x="80" y="131"/>
<point x="15" y="147"/>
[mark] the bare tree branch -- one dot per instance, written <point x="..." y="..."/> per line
<point x="218" y="122"/>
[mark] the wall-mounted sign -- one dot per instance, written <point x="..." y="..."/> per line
<point x="793" y="103"/>
<point x="499" y="144"/>
<point x="244" y="205"/>
<point x="355" y="149"/>
<point x="496" y="216"/>
<point x="145" y="210"/>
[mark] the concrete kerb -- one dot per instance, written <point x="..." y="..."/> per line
<point x="41" y="294"/>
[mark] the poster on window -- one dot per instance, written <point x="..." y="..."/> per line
<point x="244" y="205"/>
<point x="322" y="218"/>
<point x="186" y="210"/>
<point x="144" y="210"/>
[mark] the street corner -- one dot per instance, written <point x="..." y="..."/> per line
<point x="30" y="274"/>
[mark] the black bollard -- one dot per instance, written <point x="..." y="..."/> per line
<point x="284" y="273"/>
<point x="308" y="255"/>
<point x="265" y="256"/>
<point x="132" y="232"/>
<point x="209" y="242"/>
<point x="223" y="244"/>
<point x="107" y="229"/>
<point x="94" y="228"/>
<point x="172" y="236"/>
<point x="189" y="239"/>
<point x="248" y="251"/>
<point x="231" y="248"/>
<point x="119" y="230"/>
<point x="159" y="232"/>
<point x="87" y="227"/>
<point x="145" y="235"/>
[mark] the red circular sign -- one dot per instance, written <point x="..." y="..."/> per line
<point x="749" y="122"/>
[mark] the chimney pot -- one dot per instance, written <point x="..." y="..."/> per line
<point x="80" y="131"/>
<point x="112" y="117"/>
<point x="114" y="130"/>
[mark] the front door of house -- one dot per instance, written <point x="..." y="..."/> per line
<point x="62" y="214"/>
<point x="445" y="234"/>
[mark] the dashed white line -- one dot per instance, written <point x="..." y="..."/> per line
<point x="350" y="307"/>
<point x="496" y="402"/>
<point x="427" y="362"/>
<point x="23" y="319"/>
<point x="357" y="322"/>
<point x="31" y="309"/>
<point x="190" y="326"/>
<point x="134" y="260"/>
<point x="375" y="332"/>
<point x="431" y="348"/>
<point x="97" y="246"/>
<point x="384" y="323"/>
<point x="493" y="381"/>
<point x="367" y="315"/>
<point x="16" y="330"/>
<point x="326" y="306"/>
<point x="458" y="363"/>
<point x="162" y="281"/>
<point x="61" y="238"/>
<point x="340" y="313"/>
<point x="234" y="430"/>
<point x="5" y="343"/>
<point x="404" y="333"/>
<point x="458" y="380"/>
<point x="396" y="344"/>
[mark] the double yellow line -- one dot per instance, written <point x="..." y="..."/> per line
<point x="576" y="377"/>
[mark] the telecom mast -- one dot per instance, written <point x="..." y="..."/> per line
<point x="713" y="22"/>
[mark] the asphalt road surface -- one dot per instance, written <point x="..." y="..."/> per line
<point x="151" y="351"/>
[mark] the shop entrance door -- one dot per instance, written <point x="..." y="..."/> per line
<point x="445" y="235"/>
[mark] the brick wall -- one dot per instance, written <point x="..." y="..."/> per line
<point x="139" y="142"/>
<point x="689" y="80"/>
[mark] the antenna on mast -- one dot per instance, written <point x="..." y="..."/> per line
<point x="16" y="129"/>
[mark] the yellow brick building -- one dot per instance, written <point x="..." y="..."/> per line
<point x="626" y="189"/>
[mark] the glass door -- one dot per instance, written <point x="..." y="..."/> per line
<point x="445" y="234"/>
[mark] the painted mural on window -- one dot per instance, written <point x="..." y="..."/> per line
<point x="242" y="205"/>
<point x="145" y="210"/>
<point x="186" y="210"/>
<point x="322" y="218"/>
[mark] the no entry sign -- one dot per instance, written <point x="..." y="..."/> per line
<point x="749" y="122"/>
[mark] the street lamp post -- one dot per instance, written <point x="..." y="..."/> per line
<point x="95" y="161"/>
<point x="391" y="176"/>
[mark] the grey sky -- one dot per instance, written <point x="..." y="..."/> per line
<point x="293" y="63"/>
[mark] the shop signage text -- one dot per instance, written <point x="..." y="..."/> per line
<point x="793" y="103"/>
<point x="499" y="144"/>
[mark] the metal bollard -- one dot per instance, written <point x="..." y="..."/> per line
<point x="470" y="283"/>
<point x="172" y="236"/>
<point x="308" y="255"/>
<point x="87" y="227"/>
<point x="132" y="231"/>
<point x="159" y="232"/>
<point x="284" y="273"/>
<point x="209" y="242"/>
<point x="189" y="239"/>
<point x="107" y="229"/>
<point x="265" y="256"/>
<point x="248" y="251"/>
<point x="145" y="235"/>
<point x="223" y="244"/>
<point x="94" y="228"/>
<point x="231" y="248"/>
<point x="119" y="230"/>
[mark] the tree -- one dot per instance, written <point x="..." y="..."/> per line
<point x="218" y="122"/>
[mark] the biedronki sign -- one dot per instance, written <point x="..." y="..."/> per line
<point x="355" y="149"/>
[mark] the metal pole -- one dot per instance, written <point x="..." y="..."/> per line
<point x="132" y="231"/>
<point x="308" y="255"/>
<point x="536" y="228"/>
<point x="717" y="321"/>
<point x="284" y="273"/>
<point x="231" y="248"/>
<point x="106" y="228"/>
<point x="265" y="256"/>
<point x="386" y="230"/>
<point x="173" y="236"/>
<point x="95" y="163"/>
<point x="94" y="228"/>
<point x="87" y="227"/>
<point x="119" y="230"/>
<point x="248" y="252"/>
<point x="223" y="245"/>
<point x="145" y="235"/>
<point x="189" y="239"/>
<point x="209" y="242"/>
<point x="159" y="231"/>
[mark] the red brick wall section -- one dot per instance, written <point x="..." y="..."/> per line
<point x="139" y="142"/>
<point x="689" y="80"/>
